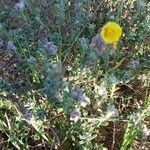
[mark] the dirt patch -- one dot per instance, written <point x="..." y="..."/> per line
<point x="113" y="134"/>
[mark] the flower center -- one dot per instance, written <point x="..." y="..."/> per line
<point x="108" y="33"/>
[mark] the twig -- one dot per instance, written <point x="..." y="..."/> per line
<point x="8" y="122"/>
<point x="55" y="136"/>
<point x="114" y="136"/>
<point x="43" y="142"/>
<point x="38" y="145"/>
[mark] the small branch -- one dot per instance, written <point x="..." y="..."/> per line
<point x="114" y="136"/>
<point x="55" y="136"/>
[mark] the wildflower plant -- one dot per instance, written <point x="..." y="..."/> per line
<point x="54" y="81"/>
<point x="74" y="74"/>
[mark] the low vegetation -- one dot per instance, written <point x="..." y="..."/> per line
<point x="74" y="74"/>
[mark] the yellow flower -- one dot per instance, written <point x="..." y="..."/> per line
<point x="114" y="45"/>
<point x="111" y="32"/>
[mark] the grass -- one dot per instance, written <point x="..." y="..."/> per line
<point x="58" y="90"/>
